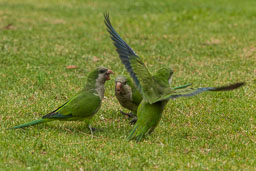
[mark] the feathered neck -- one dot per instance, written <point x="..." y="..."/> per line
<point x="95" y="84"/>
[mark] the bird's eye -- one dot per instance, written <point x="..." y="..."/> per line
<point x="102" y="71"/>
<point x="125" y="82"/>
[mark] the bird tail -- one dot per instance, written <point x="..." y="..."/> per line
<point x="138" y="133"/>
<point x="39" y="121"/>
<point x="131" y="135"/>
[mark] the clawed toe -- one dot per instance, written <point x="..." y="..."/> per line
<point x="130" y="115"/>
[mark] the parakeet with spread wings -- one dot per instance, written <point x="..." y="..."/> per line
<point x="155" y="90"/>
<point x="129" y="96"/>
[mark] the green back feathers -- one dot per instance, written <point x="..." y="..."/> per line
<point x="147" y="85"/>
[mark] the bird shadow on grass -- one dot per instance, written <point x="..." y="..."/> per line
<point x="72" y="129"/>
<point x="67" y="128"/>
<point x="104" y="131"/>
<point x="113" y="126"/>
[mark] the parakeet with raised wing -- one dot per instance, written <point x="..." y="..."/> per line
<point x="84" y="105"/>
<point x="155" y="90"/>
<point x="129" y="97"/>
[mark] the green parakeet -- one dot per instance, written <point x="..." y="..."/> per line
<point x="84" y="105"/>
<point x="128" y="95"/>
<point x="155" y="90"/>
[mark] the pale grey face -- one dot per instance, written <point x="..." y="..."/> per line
<point x="170" y="80"/>
<point x="166" y="73"/>
<point x="170" y="77"/>
<point x="121" y="85"/>
<point x="103" y="74"/>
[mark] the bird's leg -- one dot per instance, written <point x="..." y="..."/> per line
<point x="133" y="121"/>
<point x="91" y="129"/>
<point x="130" y="115"/>
<point x="151" y="130"/>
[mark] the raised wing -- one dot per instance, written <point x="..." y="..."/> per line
<point x="187" y="92"/>
<point x="134" y="65"/>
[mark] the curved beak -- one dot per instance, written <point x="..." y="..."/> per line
<point x="108" y="74"/>
<point x="118" y="86"/>
<point x="110" y="71"/>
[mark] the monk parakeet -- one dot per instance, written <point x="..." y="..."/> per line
<point x="84" y="105"/>
<point x="129" y="97"/>
<point x="155" y="90"/>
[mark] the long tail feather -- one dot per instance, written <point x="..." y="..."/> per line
<point x="39" y="121"/>
<point x="229" y="87"/>
<point x="131" y="135"/>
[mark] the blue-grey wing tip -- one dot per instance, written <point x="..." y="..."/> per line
<point x="106" y="15"/>
<point x="229" y="87"/>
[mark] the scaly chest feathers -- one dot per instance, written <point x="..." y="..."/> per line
<point x="100" y="89"/>
<point x="125" y="99"/>
<point x="124" y="96"/>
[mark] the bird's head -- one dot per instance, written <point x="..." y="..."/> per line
<point x="104" y="74"/>
<point x="166" y="74"/>
<point x="163" y="76"/>
<point x="121" y="84"/>
<point x="101" y="74"/>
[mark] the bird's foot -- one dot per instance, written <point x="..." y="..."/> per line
<point x="130" y="115"/>
<point x="133" y="121"/>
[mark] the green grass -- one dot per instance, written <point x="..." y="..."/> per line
<point x="207" y="43"/>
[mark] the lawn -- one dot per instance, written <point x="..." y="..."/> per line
<point x="207" y="43"/>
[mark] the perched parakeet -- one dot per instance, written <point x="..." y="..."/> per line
<point x="128" y="95"/>
<point x="84" y="105"/>
<point x="155" y="90"/>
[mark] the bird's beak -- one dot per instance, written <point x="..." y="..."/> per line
<point x="118" y="86"/>
<point x="110" y="71"/>
<point x="108" y="74"/>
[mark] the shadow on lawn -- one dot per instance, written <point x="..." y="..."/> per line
<point x="112" y="126"/>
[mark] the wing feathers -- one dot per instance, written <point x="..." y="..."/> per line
<point x="133" y="64"/>
<point x="143" y="79"/>
<point x="187" y="92"/>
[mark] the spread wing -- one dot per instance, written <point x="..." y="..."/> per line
<point x="187" y="92"/>
<point x="134" y="65"/>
